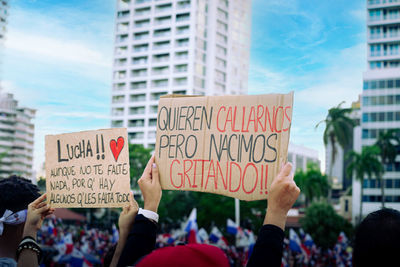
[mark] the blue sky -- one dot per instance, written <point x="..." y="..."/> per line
<point x="58" y="60"/>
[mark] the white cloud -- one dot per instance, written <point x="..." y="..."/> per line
<point x="53" y="49"/>
<point x="341" y="81"/>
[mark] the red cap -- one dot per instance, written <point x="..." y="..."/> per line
<point x="192" y="255"/>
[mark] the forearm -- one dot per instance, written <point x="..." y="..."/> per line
<point x="28" y="257"/>
<point x="141" y="241"/>
<point x="118" y="250"/>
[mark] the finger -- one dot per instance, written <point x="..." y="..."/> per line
<point x="39" y="199"/>
<point x="286" y="170"/>
<point x="43" y="209"/>
<point x="47" y="213"/>
<point x="154" y="174"/>
<point x="41" y="204"/>
<point x="149" y="164"/>
<point x="125" y="209"/>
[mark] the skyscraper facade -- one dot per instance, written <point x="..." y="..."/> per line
<point x="16" y="138"/>
<point x="195" y="47"/>
<point x="3" y="26"/>
<point x="3" y="18"/>
<point x="380" y="105"/>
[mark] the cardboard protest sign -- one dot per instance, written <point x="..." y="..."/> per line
<point x="88" y="169"/>
<point x="228" y="145"/>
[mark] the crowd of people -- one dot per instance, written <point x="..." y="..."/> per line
<point x="62" y="239"/>
<point x="26" y="237"/>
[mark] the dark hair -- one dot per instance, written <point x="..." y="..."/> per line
<point x="377" y="239"/>
<point x="16" y="193"/>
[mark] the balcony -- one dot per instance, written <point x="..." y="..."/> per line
<point x="122" y="15"/>
<point x="161" y="45"/>
<point x="123" y="27"/>
<point x="137" y="98"/>
<point x="162" y="21"/>
<point x="139" y="60"/>
<point x="139" y="73"/>
<point x="183" y="5"/>
<point x="182" y="17"/>
<point x="163" y="8"/>
<point x="372" y="4"/>
<point x="118" y="99"/>
<point x="136" y="110"/>
<point x="140" y="48"/>
<point x="142" y="23"/>
<point x="162" y="33"/>
<point x="142" y="11"/>
<point x="160" y="58"/>
<point x="160" y="83"/>
<point x="142" y="1"/>
<point x="138" y="85"/>
<point x="136" y="123"/>
<point x="124" y="4"/>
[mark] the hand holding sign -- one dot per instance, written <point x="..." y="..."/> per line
<point x="82" y="171"/>
<point x="283" y="194"/>
<point x="150" y="186"/>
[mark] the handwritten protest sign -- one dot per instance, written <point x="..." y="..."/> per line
<point x="228" y="145"/>
<point x="88" y="169"/>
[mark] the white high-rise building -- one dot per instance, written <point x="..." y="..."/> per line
<point x="195" y="47"/>
<point x="300" y="156"/>
<point x="3" y="18"/>
<point x="380" y="105"/>
<point x="3" y="26"/>
<point x="16" y="138"/>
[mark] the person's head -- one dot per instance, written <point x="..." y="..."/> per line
<point x="377" y="239"/>
<point x="15" y="195"/>
<point x="191" y="255"/>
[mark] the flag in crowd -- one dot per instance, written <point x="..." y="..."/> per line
<point x="83" y="246"/>
<point x="191" y="227"/>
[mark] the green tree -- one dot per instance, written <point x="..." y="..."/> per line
<point x="387" y="142"/>
<point x="138" y="158"/>
<point x="338" y="130"/>
<point x="324" y="224"/>
<point x="41" y="183"/>
<point x="312" y="183"/>
<point x="364" y="164"/>
<point x="212" y="209"/>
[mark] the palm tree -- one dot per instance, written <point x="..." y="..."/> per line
<point x="338" y="130"/>
<point x="387" y="142"/>
<point x="313" y="184"/>
<point x="364" y="164"/>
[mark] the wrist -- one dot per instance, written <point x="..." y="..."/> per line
<point x="276" y="218"/>
<point x="151" y="206"/>
<point x="30" y="231"/>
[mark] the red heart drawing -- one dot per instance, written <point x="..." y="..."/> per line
<point x="116" y="146"/>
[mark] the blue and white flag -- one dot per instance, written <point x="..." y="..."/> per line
<point x="294" y="241"/>
<point x="231" y="227"/>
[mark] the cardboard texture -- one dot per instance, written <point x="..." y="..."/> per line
<point x="228" y="145"/>
<point x="88" y="169"/>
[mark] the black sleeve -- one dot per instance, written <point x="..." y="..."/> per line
<point x="141" y="241"/>
<point x="268" y="248"/>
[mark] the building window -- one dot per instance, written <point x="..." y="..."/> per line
<point x="137" y="98"/>
<point x="136" y="110"/>
<point x="118" y="123"/>
<point x="182" y="17"/>
<point x="136" y="123"/>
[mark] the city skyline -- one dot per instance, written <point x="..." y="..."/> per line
<point x="316" y="50"/>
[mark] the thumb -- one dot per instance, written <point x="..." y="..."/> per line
<point x="154" y="173"/>
<point x="285" y="171"/>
